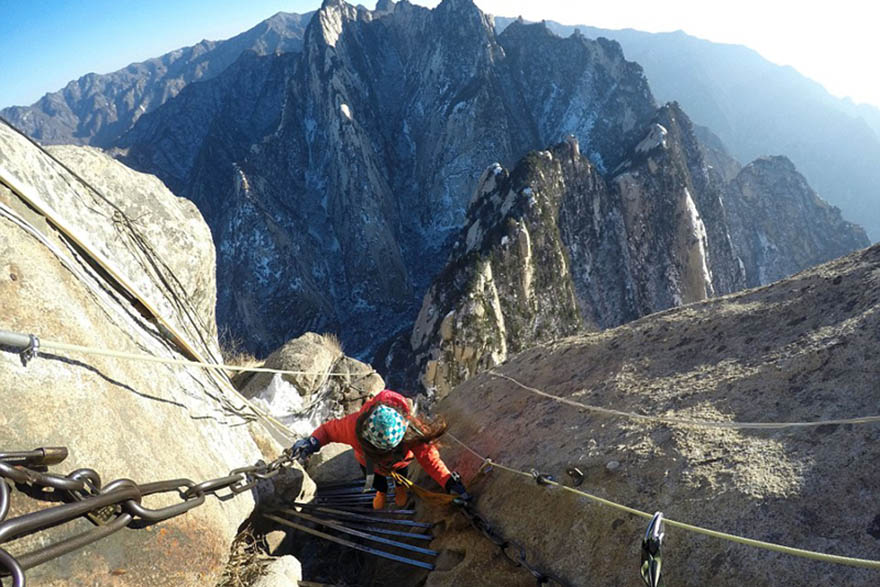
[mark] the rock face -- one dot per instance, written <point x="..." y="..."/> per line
<point x="780" y="225"/>
<point x="98" y="109"/>
<point x="760" y="108"/>
<point x="123" y="418"/>
<point x="339" y="214"/>
<point x="798" y="350"/>
<point x="335" y="176"/>
<point x="329" y="385"/>
<point x="555" y="247"/>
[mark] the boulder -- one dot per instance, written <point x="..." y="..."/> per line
<point x="124" y="418"/>
<point x="328" y="385"/>
<point x="335" y="462"/>
<point x="281" y="572"/>
<point x="800" y="350"/>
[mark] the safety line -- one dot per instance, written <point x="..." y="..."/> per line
<point x="687" y="421"/>
<point x="61" y="346"/>
<point x="799" y="552"/>
<point x="28" y="193"/>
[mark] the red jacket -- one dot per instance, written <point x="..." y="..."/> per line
<point x="343" y="430"/>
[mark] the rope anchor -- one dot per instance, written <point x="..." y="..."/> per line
<point x="31" y="351"/>
<point x="542" y="478"/>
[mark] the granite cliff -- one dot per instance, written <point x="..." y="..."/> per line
<point x="123" y="418"/>
<point x="554" y="247"/>
<point x="334" y="212"/>
<point x="334" y="156"/>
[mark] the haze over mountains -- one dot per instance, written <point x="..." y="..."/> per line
<point x="335" y="161"/>
<point x="759" y="108"/>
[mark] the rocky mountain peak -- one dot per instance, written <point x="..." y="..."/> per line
<point x="330" y="20"/>
<point x="777" y="162"/>
<point x="385" y="5"/>
<point x="369" y="146"/>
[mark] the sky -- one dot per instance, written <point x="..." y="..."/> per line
<point x="46" y="43"/>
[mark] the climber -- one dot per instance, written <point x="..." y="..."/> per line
<point x="386" y="436"/>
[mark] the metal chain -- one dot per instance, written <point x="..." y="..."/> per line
<point x="518" y="557"/>
<point x="110" y="507"/>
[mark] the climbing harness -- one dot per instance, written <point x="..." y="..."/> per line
<point x="431" y="497"/>
<point x="651" y="544"/>
<point x="110" y="506"/>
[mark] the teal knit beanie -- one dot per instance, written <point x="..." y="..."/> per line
<point x="385" y="428"/>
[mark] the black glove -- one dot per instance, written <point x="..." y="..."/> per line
<point x="454" y="485"/>
<point x="305" y="447"/>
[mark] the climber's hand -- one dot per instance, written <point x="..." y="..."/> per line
<point x="304" y="448"/>
<point x="454" y="485"/>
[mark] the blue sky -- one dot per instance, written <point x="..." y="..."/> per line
<point x="46" y="43"/>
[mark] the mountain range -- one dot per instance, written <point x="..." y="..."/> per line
<point x="334" y="158"/>
<point x="759" y="108"/>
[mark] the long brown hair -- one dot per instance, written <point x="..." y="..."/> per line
<point x="419" y="431"/>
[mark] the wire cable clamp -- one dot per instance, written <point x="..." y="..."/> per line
<point x="31" y="351"/>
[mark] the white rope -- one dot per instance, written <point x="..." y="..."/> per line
<point x="28" y="193"/>
<point x="799" y="552"/>
<point x="61" y="346"/>
<point x="687" y="421"/>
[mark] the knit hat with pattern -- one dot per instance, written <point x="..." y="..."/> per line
<point x="385" y="427"/>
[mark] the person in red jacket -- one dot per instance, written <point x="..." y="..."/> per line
<point x="386" y="437"/>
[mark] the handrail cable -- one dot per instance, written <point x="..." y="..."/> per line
<point x="28" y="193"/>
<point x="687" y="421"/>
<point x="799" y="552"/>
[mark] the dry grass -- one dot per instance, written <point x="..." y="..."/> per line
<point x="247" y="560"/>
<point x="234" y="353"/>
<point x="332" y="341"/>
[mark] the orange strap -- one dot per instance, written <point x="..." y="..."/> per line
<point x="431" y="497"/>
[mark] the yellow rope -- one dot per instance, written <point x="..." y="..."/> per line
<point x="686" y="421"/>
<point x="829" y="558"/>
<point x="431" y="497"/>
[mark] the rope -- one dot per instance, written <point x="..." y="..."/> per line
<point x="61" y="346"/>
<point x="799" y="552"/>
<point x="431" y="497"/>
<point x="687" y="421"/>
<point x="27" y="193"/>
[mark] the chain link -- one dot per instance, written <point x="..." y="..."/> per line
<point x="110" y="507"/>
<point x="519" y="557"/>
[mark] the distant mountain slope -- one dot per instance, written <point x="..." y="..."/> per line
<point x="552" y="247"/>
<point x="334" y="211"/>
<point x="98" y="109"/>
<point x="334" y="176"/>
<point x="759" y="108"/>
